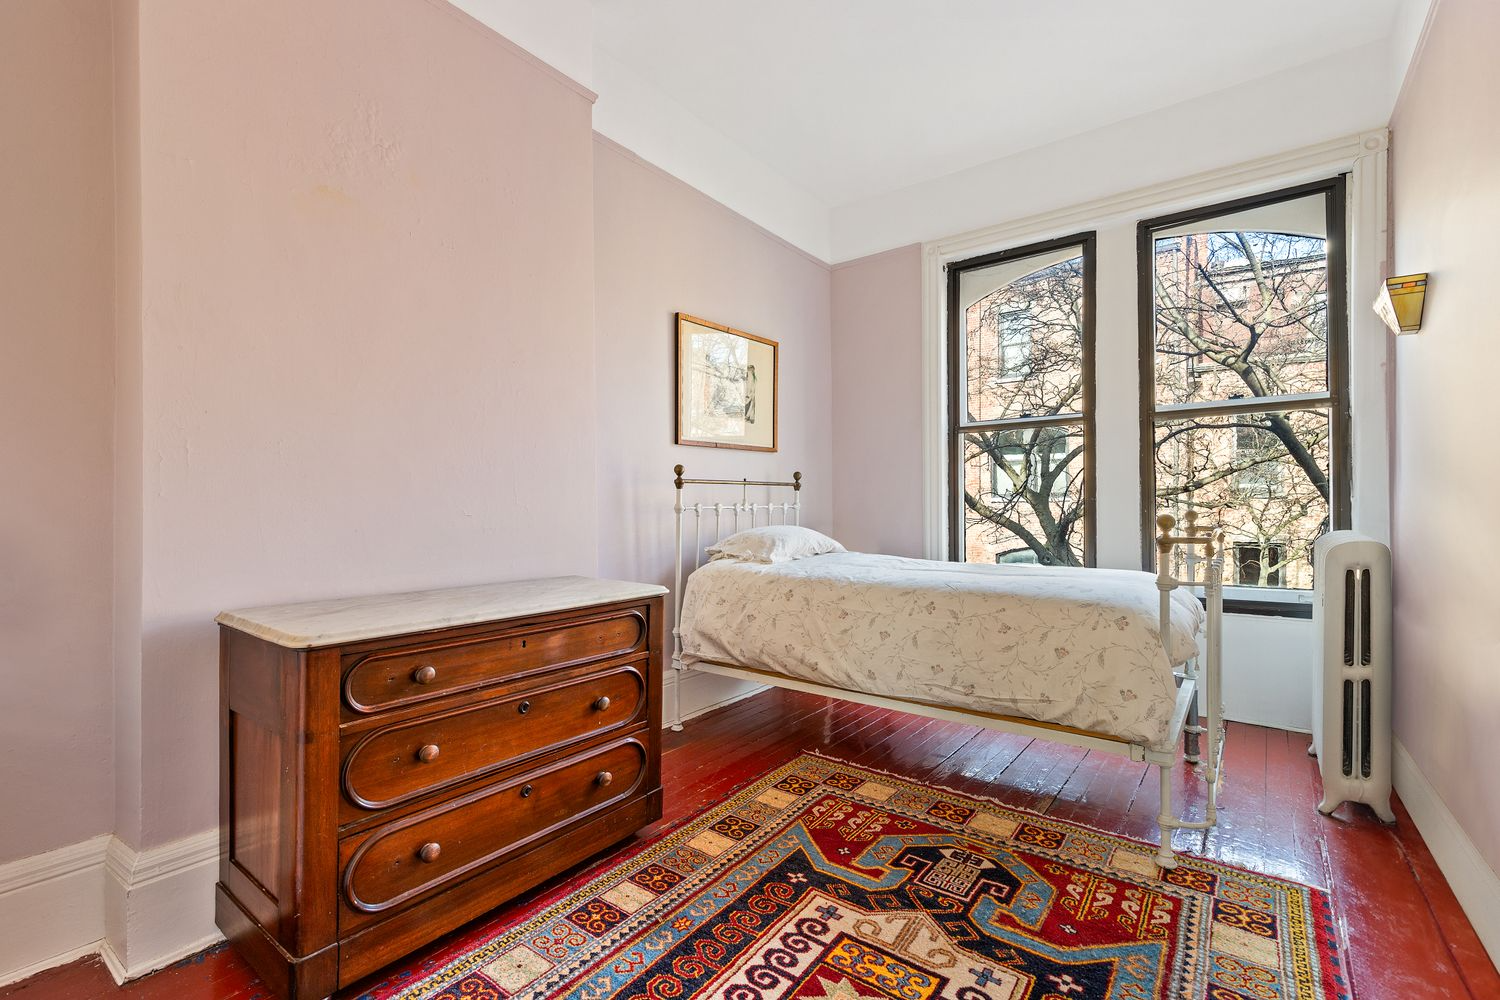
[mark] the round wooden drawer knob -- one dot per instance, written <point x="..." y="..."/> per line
<point x="603" y="778"/>
<point x="430" y="852"/>
<point x="428" y="754"/>
<point x="425" y="675"/>
<point x="601" y="703"/>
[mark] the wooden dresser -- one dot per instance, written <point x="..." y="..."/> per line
<point x="392" y="767"/>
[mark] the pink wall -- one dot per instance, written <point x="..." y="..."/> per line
<point x="877" y="400"/>
<point x="1447" y="204"/>
<point x="126" y="462"/>
<point x="367" y="335"/>
<point x="56" y="326"/>
<point x="663" y="247"/>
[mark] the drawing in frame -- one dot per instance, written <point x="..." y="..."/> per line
<point x="727" y="382"/>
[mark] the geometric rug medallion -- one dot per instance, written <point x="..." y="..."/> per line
<point x="827" y="881"/>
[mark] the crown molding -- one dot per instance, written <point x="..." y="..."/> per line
<point x="1266" y="173"/>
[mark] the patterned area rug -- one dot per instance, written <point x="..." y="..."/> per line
<point x="825" y="881"/>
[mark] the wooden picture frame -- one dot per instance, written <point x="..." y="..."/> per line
<point x="721" y="387"/>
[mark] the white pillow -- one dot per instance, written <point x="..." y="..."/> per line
<point x="775" y="544"/>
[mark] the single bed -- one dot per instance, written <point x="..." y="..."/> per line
<point x="1104" y="659"/>
<point x="1079" y="648"/>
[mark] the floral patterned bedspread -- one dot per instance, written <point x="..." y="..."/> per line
<point x="1077" y="647"/>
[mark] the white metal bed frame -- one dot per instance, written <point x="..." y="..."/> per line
<point x="1201" y="548"/>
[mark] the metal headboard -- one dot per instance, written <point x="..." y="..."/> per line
<point x="727" y="518"/>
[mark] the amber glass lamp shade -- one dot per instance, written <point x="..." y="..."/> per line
<point x="1400" y="302"/>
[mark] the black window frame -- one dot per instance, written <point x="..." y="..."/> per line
<point x="1335" y="190"/>
<point x="1241" y="559"/>
<point x="956" y="427"/>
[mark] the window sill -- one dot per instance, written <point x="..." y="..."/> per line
<point x="1268" y="609"/>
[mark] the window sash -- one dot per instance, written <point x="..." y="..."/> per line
<point x="1334" y="401"/>
<point x="1022" y="466"/>
<point x="959" y="426"/>
<point x="1239" y="594"/>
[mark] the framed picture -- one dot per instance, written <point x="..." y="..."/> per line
<point x="726" y="386"/>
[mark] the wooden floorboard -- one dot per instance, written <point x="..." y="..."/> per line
<point x="1407" y="936"/>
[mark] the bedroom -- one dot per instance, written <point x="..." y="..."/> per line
<point x="319" y="301"/>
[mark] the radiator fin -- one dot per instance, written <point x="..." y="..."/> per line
<point x="1346" y="739"/>
<point x="1364" y="617"/>
<point x="1349" y="618"/>
<point x="1364" y="728"/>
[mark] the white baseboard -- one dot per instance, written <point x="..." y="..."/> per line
<point x="1250" y="720"/>
<point x="158" y="903"/>
<point x="702" y="693"/>
<point x="49" y="907"/>
<point x="143" y="910"/>
<point x="138" y="910"/>
<point x="1473" y="881"/>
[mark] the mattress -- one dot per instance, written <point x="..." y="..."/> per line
<point x="1080" y="648"/>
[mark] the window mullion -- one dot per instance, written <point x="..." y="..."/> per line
<point x="1021" y="423"/>
<point x="1249" y="404"/>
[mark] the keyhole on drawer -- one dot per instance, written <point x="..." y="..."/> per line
<point x="525" y="791"/>
<point x="524" y="707"/>
<point x="523" y="643"/>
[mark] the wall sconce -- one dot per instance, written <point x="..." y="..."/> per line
<point x="1400" y="302"/>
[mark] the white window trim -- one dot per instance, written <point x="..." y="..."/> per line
<point x="1362" y="156"/>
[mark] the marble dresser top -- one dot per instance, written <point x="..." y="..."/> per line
<point x="354" y="619"/>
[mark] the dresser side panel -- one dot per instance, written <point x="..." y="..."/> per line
<point x="255" y="827"/>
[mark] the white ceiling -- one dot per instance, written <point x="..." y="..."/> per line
<point x="852" y="98"/>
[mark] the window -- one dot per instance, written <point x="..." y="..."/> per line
<point x="1038" y="464"/>
<point x="1244" y="402"/>
<point x="1015" y="345"/>
<point x="1317" y="315"/>
<point x="1257" y="565"/>
<point x="1257" y="462"/>
<point x="1021" y="384"/>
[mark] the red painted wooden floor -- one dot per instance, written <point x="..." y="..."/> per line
<point x="1407" y="938"/>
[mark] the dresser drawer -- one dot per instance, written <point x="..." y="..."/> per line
<point x="397" y="763"/>
<point x="435" y="848"/>
<point x="392" y="678"/>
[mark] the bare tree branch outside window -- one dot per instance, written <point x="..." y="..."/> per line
<point x="1242" y="421"/>
<point x="1240" y="317"/>
<point x="1023" y="483"/>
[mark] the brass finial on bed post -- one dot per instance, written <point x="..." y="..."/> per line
<point x="1166" y="522"/>
<point x="797" y="481"/>
<point x="678" y="469"/>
